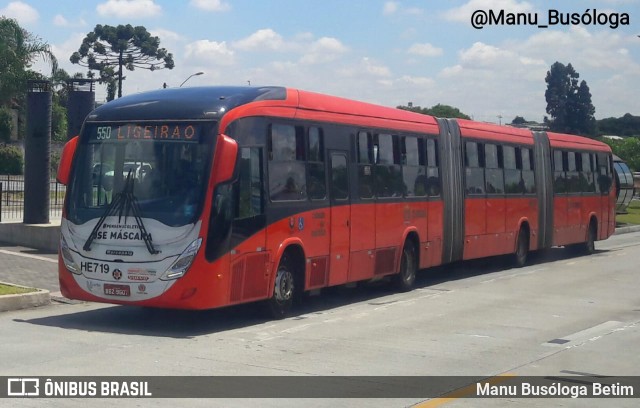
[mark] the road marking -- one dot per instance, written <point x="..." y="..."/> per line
<point x="463" y="392"/>
<point x="590" y="334"/>
<point x="39" y="258"/>
<point x="514" y="275"/>
<point x="296" y="329"/>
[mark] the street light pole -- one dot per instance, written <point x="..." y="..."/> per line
<point x="192" y="75"/>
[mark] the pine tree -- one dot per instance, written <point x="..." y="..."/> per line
<point x="109" y="49"/>
<point x="569" y="103"/>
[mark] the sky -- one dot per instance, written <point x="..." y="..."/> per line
<point x="385" y="52"/>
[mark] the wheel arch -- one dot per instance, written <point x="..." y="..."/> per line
<point x="410" y="235"/>
<point x="593" y="220"/>
<point x="523" y="224"/>
<point x="295" y="249"/>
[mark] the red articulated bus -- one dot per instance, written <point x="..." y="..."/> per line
<point x="200" y="198"/>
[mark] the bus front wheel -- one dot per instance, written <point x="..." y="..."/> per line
<point x="283" y="290"/>
<point x="406" y="277"/>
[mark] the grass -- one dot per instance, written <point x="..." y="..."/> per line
<point x="633" y="216"/>
<point x="13" y="290"/>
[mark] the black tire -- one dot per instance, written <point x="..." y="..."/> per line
<point x="522" y="249"/>
<point x="406" y="277"/>
<point x="284" y="289"/>
<point x="589" y="246"/>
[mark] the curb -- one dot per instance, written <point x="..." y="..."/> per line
<point x="626" y="230"/>
<point x="19" y="301"/>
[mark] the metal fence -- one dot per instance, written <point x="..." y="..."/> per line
<point x="12" y="198"/>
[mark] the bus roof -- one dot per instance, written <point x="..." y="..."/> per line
<point x="213" y="102"/>
<point x="183" y="103"/>
<point x="333" y="104"/>
<point x="561" y="140"/>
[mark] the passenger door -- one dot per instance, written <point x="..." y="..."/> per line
<point x="340" y="217"/>
<point x="248" y="254"/>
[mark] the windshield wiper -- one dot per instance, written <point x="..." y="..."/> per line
<point x="123" y="202"/>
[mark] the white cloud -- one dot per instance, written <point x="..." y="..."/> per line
<point x="464" y="12"/>
<point x="422" y="82"/>
<point x="60" y="21"/>
<point x="264" y="39"/>
<point x="210" y="52"/>
<point x="129" y="9"/>
<point x="325" y="49"/>
<point x="425" y="50"/>
<point x="322" y="50"/>
<point x="24" y="13"/>
<point x="211" y="5"/>
<point x="390" y="7"/>
<point x="507" y="78"/>
<point x="166" y="35"/>
<point x="482" y="55"/>
<point x="375" y="69"/>
<point x="63" y="51"/>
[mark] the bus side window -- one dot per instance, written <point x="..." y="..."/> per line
<point x="559" y="183"/>
<point x="512" y="172"/>
<point x="287" y="175"/>
<point x="572" y="176"/>
<point x="528" y="175"/>
<point x="249" y="202"/>
<point x="315" y="165"/>
<point x="604" y="172"/>
<point x="433" y="174"/>
<point x="413" y="169"/>
<point x="474" y="172"/>
<point x="586" y="175"/>
<point x="364" y="143"/>
<point x="388" y="172"/>
<point x="494" y="176"/>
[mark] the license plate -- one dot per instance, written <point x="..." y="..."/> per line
<point x="117" y="290"/>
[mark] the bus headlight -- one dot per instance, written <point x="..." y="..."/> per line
<point x="184" y="261"/>
<point x="67" y="257"/>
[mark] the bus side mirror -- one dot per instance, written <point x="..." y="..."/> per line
<point x="64" y="168"/>
<point x="224" y="160"/>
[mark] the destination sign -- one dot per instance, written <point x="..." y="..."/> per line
<point x="157" y="131"/>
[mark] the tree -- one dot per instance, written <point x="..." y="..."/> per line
<point x="569" y="102"/>
<point x="518" y="120"/>
<point x="5" y="124"/>
<point x="627" y="125"/>
<point x="109" y="49"/>
<point x="627" y="149"/>
<point x="439" y="110"/>
<point x="18" y="50"/>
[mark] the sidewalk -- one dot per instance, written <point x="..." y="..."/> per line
<point x="44" y="237"/>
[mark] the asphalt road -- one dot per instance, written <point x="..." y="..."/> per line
<point x="561" y="315"/>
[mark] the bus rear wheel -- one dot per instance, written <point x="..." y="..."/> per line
<point x="589" y="246"/>
<point x="283" y="290"/>
<point x="522" y="249"/>
<point x="406" y="277"/>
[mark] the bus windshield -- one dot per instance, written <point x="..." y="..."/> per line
<point x="165" y="164"/>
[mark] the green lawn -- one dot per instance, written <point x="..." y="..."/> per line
<point x="13" y="290"/>
<point x="633" y="216"/>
